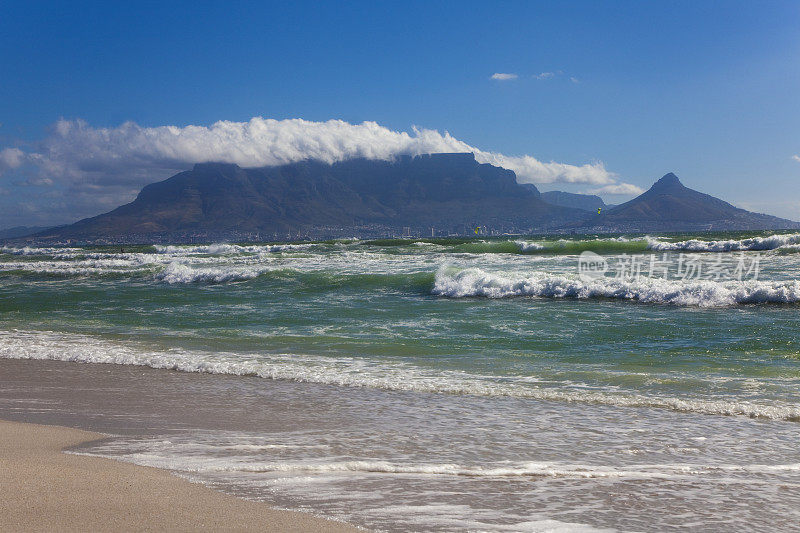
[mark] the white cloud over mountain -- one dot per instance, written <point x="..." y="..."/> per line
<point x="107" y="166"/>
<point x="75" y="149"/>
<point x="625" y="189"/>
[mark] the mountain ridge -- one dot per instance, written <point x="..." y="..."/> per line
<point x="21" y="231"/>
<point x="374" y="197"/>
<point x="428" y="195"/>
<point x="668" y="205"/>
<point x="586" y="202"/>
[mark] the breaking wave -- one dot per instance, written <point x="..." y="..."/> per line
<point x="529" y="246"/>
<point x="229" y="249"/>
<point x="34" y="250"/>
<point x="771" y="242"/>
<point x="356" y="372"/>
<point x="493" y="245"/>
<point x="518" y="246"/>
<point x="555" y="247"/>
<point x="460" y="283"/>
<point x="599" y="245"/>
<point x="181" y="273"/>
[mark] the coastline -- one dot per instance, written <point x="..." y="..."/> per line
<point x="47" y="489"/>
<point x="366" y="456"/>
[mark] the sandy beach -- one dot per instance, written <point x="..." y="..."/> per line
<point x="372" y="458"/>
<point x="45" y="489"/>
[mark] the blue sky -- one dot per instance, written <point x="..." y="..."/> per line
<point x="708" y="90"/>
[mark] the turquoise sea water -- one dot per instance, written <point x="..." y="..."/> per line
<point x="491" y="366"/>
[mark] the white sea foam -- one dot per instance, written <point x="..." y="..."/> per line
<point x="176" y="272"/>
<point x="217" y="453"/>
<point x="771" y="242"/>
<point x="200" y="464"/>
<point x="358" y="372"/>
<point x="33" y="250"/>
<point x="82" y="267"/>
<point x="606" y="239"/>
<point x="323" y="479"/>
<point x="229" y="249"/>
<point x="180" y="267"/>
<point x="555" y="246"/>
<point x="216" y="249"/>
<point x="459" y="283"/>
<point x="148" y="454"/>
<point x="526" y="246"/>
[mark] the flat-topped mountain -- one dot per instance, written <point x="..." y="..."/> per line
<point x="451" y="193"/>
<point x="437" y="194"/>
<point x="670" y="206"/>
<point x="586" y="202"/>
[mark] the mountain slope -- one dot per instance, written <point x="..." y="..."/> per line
<point x="586" y="202"/>
<point x="670" y="206"/>
<point x="20" y="231"/>
<point x="451" y="192"/>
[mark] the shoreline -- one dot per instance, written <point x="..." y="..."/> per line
<point x="378" y="459"/>
<point x="45" y="488"/>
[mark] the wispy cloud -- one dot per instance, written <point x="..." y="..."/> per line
<point x="552" y="75"/>
<point x="96" y="168"/>
<point x="11" y="158"/>
<point x="504" y="76"/>
<point x="626" y="189"/>
<point x="796" y="158"/>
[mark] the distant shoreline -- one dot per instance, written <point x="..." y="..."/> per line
<point x="134" y="241"/>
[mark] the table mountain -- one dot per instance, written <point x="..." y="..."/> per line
<point x="449" y="192"/>
<point x="586" y="202"/>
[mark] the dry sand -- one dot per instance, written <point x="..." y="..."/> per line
<point x="44" y="489"/>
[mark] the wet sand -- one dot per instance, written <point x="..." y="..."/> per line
<point x="45" y="489"/>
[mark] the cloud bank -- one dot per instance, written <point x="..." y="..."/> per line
<point x="74" y="150"/>
<point x="796" y="158"/>
<point x="100" y="168"/>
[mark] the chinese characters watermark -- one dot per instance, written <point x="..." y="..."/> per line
<point x="684" y="267"/>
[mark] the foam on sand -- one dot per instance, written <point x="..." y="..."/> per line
<point x="207" y="458"/>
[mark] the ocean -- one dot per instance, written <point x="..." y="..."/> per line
<point x="588" y="382"/>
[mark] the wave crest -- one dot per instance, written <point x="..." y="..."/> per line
<point x="771" y="242"/>
<point x="352" y="372"/>
<point x="182" y="273"/>
<point x="455" y="283"/>
<point x="228" y="249"/>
